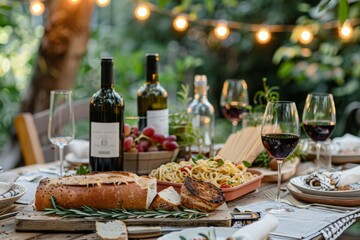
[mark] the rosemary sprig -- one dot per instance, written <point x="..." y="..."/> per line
<point x="88" y="212"/>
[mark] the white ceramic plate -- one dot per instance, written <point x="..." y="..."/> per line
<point x="221" y="233"/>
<point x="5" y="202"/>
<point x="71" y="158"/>
<point x="299" y="182"/>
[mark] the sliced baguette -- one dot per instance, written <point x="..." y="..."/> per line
<point x="167" y="199"/>
<point x="112" y="230"/>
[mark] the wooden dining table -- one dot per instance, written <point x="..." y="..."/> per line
<point x="8" y="224"/>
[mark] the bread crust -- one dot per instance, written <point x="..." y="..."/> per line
<point x="197" y="194"/>
<point x="124" y="190"/>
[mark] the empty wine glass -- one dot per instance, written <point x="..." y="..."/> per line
<point x="280" y="133"/>
<point x="319" y="119"/>
<point x="61" y="129"/>
<point x="234" y="101"/>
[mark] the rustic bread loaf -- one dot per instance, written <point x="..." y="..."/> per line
<point x="197" y="194"/>
<point x="98" y="190"/>
<point x="166" y="199"/>
<point x="112" y="230"/>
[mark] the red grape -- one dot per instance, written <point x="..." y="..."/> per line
<point x="135" y="131"/>
<point x="171" y="138"/>
<point x="158" y="138"/>
<point x="148" y="131"/>
<point x="139" y="147"/>
<point x="128" y="143"/>
<point x="169" y="145"/>
<point x="127" y="129"/>
<point x="145" y="144"/>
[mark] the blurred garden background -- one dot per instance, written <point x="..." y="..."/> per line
<point x="34" y="44"/>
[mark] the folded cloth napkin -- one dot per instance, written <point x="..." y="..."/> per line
<point x="80" y="148"/>
<point x="258" y="230"/>
<point x="7" y="180"/>
<point x="347" y="143"/>
<point x="329" y="181"/>
<point x="10" y="193"/>
<point x="347" y="177"/>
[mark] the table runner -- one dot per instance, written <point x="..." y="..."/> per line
<point x="308" y="223"/>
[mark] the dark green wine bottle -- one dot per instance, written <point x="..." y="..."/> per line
<point x="106" y="124"/>
<point x="152" y="99"/>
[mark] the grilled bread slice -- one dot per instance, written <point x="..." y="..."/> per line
<point x="197" y="194"/>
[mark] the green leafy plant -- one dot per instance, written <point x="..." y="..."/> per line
<point x="88" y="212"/>
<point x="262" y="97"/>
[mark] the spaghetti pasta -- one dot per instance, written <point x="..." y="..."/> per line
<point x="222" y="173"/>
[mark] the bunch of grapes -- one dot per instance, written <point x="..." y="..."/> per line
<point x="147" y="140"/>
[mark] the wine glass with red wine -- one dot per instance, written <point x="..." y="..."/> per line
<point x="319" y="119"/>
<point x="234" y="101"/>
<point x="280" y="133"/>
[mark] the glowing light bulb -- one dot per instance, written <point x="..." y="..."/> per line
<point x="180" y="23"/>
<point x="221" y="31"/>
<point x="103" y="3"/>
<point x="37" y="8"/>
<point x="346" y="31"/>
<point x="142" y="12"/>
<point x="306" y="36"/>
<point x="263" y="36"/>
<point x="74" y="1"/>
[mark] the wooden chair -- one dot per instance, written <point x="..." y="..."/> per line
<point x="351" y="118"/>
<point x="32" y="130"/>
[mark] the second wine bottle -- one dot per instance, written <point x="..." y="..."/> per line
<point x="152" y="99"/>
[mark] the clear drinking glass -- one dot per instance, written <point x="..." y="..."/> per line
<point x="319" y="119"/>
<point x="234" y="101"/>
<point x="280" y="133"/>
<point x="61" y="129"/>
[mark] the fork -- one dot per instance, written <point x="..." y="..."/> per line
<point x="295" y="203"/>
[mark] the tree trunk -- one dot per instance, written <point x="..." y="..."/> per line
<point x="62" y="47"/>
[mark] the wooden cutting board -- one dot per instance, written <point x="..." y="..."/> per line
<point x="30" y="220"/>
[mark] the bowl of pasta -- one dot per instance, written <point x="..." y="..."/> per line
<point x="234" y="179"/>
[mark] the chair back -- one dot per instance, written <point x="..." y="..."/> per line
<point x="32" y="132"/>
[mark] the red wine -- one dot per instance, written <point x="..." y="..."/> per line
<point x="280" y="145"/>
<point x="319" y="130"/>
<point x="233" y="112"/>
<point x="106" y="124"/>
<point x="152" y="99"/>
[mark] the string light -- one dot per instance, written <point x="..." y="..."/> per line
<point x="74" y="1"/>
<point x="346" y="31"/>
<point x="180" y="23"/>
<point x="263" y="35"/>
<point x="36" y="8"/>
<point x="306" y="36"/>
<point x="142" y="12"/>
<point x="103" y="3"/>
<point x="221" y="31"/>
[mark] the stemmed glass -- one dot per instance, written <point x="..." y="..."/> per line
<point x="61" y="128"/>
<point x="234" y="101"/>
<point x="280" y="133"/>
<point x="319" y="119"/>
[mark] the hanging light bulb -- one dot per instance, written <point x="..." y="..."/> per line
<point x="36" y="8"/>
<point x="74" y="1"/>
<point x="180" y="23"/>
<point x="103" y="3"/>
<point x="306" y="36"/>
<point x="346" y="31"/>
<point x="142" y="12"/>
<point x="263" y="35"/>
<point x="221" y="31"/>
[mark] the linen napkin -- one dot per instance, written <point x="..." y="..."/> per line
<point x="343" y="178"/>
<point x="258" y="230"/>
<point x="7" y="180"/>
<point x="80" y="148"/>
<point x="347" y="143"/>
<point x="307" y="223"/>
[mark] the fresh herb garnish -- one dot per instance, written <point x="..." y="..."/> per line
<point x="82" y="170"/>
<point x="246" y="164"/>
<point x="88" y="212"/>
<point x="220" y="162"/>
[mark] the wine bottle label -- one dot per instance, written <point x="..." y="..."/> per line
<point x="105" y="140"/>
<point x="159" y="120"/>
